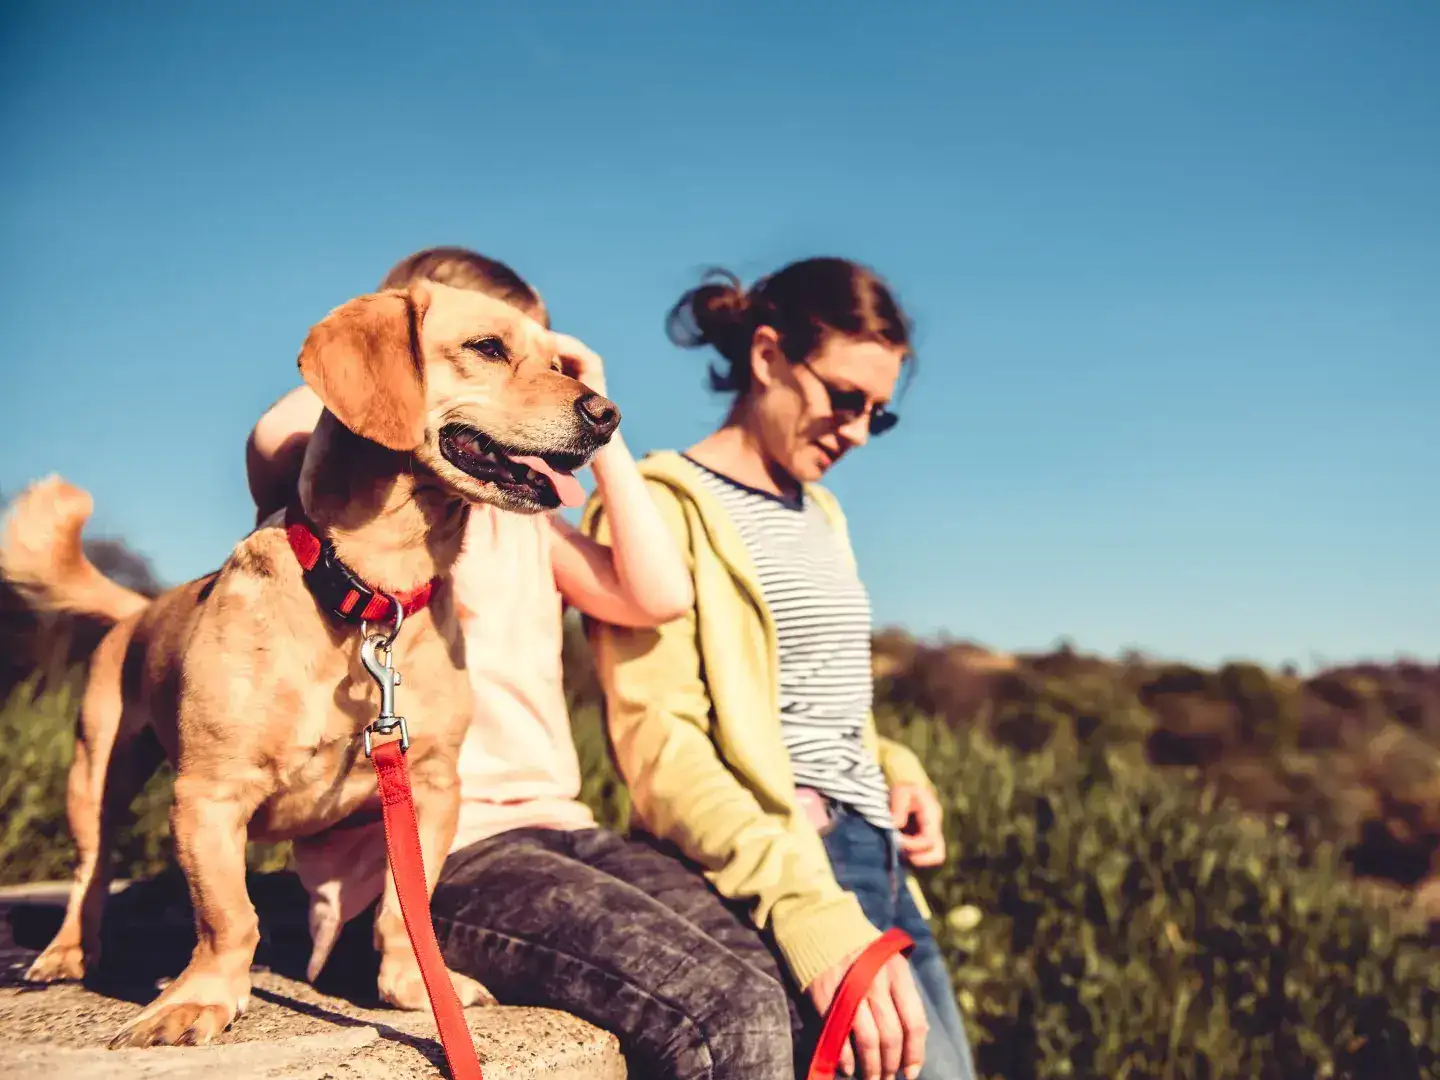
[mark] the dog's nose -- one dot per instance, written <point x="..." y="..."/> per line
<point x="599" y="414"/>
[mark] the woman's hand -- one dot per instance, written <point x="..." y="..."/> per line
<point x="888" y="1038"/>
<point x="919" y="817"/>
<point x="579" y="362"/>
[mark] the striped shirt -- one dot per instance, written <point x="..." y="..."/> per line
<point x="822" y="619"/>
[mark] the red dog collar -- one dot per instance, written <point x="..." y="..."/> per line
<point x="337" y="588"/>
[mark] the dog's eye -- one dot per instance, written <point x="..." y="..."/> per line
<point x="491" y="348"/>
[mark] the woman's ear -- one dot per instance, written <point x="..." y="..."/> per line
<point x="766" y="357"/>
<point x="364" y="362"/>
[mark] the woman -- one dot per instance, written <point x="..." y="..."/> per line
<point x="535" y="900"/>
<point x="744" y="728"/>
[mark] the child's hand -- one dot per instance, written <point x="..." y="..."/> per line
<point x="579" y="362"/>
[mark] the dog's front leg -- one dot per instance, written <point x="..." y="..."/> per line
<point x="436" y="786"/>
<point x="209" y="822"/>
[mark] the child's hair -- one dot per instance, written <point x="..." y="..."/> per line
<point x="465" y="269"/>
<point x="804" y="303"/>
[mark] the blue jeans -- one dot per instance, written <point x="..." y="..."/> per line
<point x="866" y="861"/>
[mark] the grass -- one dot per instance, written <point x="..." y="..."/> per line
<point x="37" y="742"/>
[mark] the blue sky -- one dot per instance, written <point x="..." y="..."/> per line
<point x="1175" y="269"/>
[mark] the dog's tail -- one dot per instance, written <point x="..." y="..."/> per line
<point x="42" y="557"/>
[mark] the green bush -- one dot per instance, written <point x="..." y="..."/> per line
<point x="1102" y="920"/>
<point x="37" y="742"/>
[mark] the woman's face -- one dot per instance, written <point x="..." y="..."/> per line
<point x="809" y="415"/>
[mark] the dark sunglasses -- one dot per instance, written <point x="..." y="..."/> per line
<point x="846" y="405"/>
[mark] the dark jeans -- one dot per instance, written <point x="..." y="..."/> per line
<point x="866" y="862"/>
<point x="628" y="938"/>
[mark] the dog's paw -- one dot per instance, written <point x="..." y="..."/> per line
<point x="58" y="963"/>
<point x="399" y="983"/>
<point x="181" y="1024"/>
<point x="401" y="986"/>
<point x="189" y="1012"/>
<point x="471" y="992"/>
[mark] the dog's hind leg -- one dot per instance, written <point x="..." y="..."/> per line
<point x="111" y="765"/>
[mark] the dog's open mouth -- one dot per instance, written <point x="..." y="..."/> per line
<point x="545" y="479"/>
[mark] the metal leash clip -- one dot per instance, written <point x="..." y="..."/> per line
<point x="384" y="673"/>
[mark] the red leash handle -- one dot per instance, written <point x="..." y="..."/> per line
<point x="407" y="864"/>
<point x="840" y="1017"/>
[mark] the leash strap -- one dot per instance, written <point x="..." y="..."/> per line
<point x="840" y="1017"/>
<point x="402" y="844"/>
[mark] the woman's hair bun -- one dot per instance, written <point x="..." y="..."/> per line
<point x="804" y="303"/>
<point x="717" y="313"/>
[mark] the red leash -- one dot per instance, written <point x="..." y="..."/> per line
<point x="402" y="845"/>
<point x="402" y="850"/>
<point x="840" y="1017"/>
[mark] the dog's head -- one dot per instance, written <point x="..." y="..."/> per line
<point x="468" y="384"/>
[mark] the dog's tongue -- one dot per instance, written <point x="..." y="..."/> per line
<point x="566" y="486"/>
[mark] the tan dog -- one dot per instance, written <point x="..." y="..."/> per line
<point x="258" y="695"/>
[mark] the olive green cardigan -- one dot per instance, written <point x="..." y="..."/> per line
<point x="692" y="710"/>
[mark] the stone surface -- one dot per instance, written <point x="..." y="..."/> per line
<point x="291" y="1032"/>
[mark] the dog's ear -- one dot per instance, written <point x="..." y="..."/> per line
<point x="364" y="362"/>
